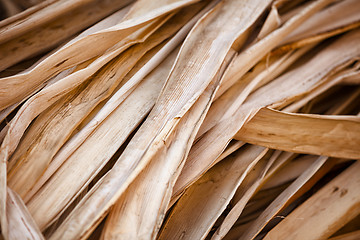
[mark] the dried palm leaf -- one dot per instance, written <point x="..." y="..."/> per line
<point x="246" y="190"/>
<point x="219" y="183"/>
<point x="82" y="102"/>
<point x="166" y="115"/>
<point x="248" y="58"/>
<point x="77" y="52"/>
<point x="155" y="183"/>
<point x="33" y="41"/>
<point x="113" y="103"/>
<point x="290" y="171"/>
<point x="129" y="130"/>
<point x="21" y="226"/>
<point x="339" y="197"/>
<point x="95" y="159"/>
<point x="26" y="4"/>
<point x="287" y="196"/>
<point x="280" y="92"/>
<point x="348" y="236"/>
<point x="336" y="16"/>
<point x="8" y="8"/>
<point x="130" y="25"/>
<point x="335" y="136"/>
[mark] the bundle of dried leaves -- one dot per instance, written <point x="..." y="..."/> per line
<point x="180" y="119"/>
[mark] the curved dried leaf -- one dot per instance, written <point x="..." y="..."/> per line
<point x="335" y="136"/>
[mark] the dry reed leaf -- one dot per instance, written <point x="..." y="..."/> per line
<point x="352" y="79"/>
<point x="28" y="111"/>
<point x="41" y="142"/>
<point x="114" y="39"/>
<point x="75" y="152"/>
<point x="9" y="8"/>
<point x="261" y="74"/>
<point x="255" y="207"/>
<point x="339" y="197"/>
<point x="280" y="92"/>
<point x="25" y="13"/>
<point x="98" y="154"/>
<point x="222" y="106"/>
<point x="315" y="39"/>
<point x="210" y="195"/>
<point x="274" y="19"/>
<point x="234" y="232"/>
<point x="334" y="20"/>
<point x="118" y="133"/>
<point x="80" y="76"/>
<point x="105" y="23"/>
<point x="82" y="103"/>
<point x="231" y="148"/>
<point x="138" y="72"/>
<point x="114" y="102"/>
<point x="289" y="195"/>
<point x="129" y="27"/>
<point x="271" y="23"/>
<point x="289" y="171"/>
<point x="279" y="203"/>
<point x="223" y="134"/>
<point x="26" y="4"/>
<point x="250" y="56"/>
<point x="39" y="15"/>
<point x="334" y="79"/>
<point x="154" y="182"/>
<point x="336" y="16"/>
<point x="259" y="202"/>
<point x="49" y="95"/>
<point x="94" y="160"/>
<point x="335" y="136"/>
<point x="344" y="106"/>
<point x="251" y="184"/>
<point x="348" y="236"/>
<point x="21" y="226"/>
<point x="335" y="50"/>
<point x="170" y="107"/>
<point x="51" y="34"/>
<point x="282" y="159"/>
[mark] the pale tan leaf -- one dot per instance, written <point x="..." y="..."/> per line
<point x="72" y="111"/>
<point x="282" y="91"/>
<point x="251" y="184"/>
<point x="78" y="51"/>
<point x="135" y="217"/>
<point x="21" y="224"/>
<point x="325" y="212"/>
<point x="54" y="92"/>
<point x="289" y="172"/>
<point x="287" y="196"/>
<point x="340" y="75"/>
<point x="272" y="22"/>
<point x="335" y="136"/>
<point x="94" y="160"/>
<point x="114" y="102"/>
<point x="36" y="39"/>
<point x="201" y="67"/>
<point x="348" y="236"/>
<point x="336" y="16"/>
<point x="250" y="56"/>
<point x="210" y="195"/>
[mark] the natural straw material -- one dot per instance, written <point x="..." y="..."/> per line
<point x="179" y="119"/>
